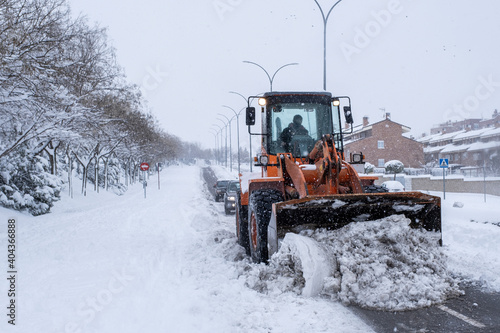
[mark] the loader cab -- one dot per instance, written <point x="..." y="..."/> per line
<point x="318" y="117"/>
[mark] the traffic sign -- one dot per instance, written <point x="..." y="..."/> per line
<point x="443" y="162"/>
<point x="144" y="166"/>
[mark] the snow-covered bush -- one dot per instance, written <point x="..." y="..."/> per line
<point x="26" y="185"/>
<point x="369" y="168"/>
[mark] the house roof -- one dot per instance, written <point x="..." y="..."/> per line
<point x="484" y="145"/>
<point x="492" y="133"/>
<point x="451" y="148"/>
<point x="430" y="150"/>
<point x="436" y="138"/>
<point x="471" y="134"/>
<point x="360" y="128"/>
<point x="454" y="148"/>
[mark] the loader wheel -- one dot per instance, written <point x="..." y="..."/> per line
<point x="259" y="214"/>
<point x="375" y="189"/>
<point x="242" y="224"/>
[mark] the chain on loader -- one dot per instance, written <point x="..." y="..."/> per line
<point x="305" y="182"/>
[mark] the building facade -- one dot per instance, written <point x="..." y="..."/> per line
<point x="384" y="141"/>
<point x="470" y="148"/>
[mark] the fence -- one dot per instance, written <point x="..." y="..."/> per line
<point x="453" y="184"/>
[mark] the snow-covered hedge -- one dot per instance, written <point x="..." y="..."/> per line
<point x="26" y="185"/>
<point x="369" y="168"/>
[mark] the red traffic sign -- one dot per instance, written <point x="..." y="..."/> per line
<point x="144" y="166"/>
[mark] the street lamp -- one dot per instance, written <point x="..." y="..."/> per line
<point x="219" y="150"/>
<point x="230" y="142"/>
<point x="325" y="21"/>
<point x="225" y="126"/>
<point x="214" y="133"/>
<point x="237" y="114"/>
<point x="268" y="76"/>
<point x="249" y="135"/>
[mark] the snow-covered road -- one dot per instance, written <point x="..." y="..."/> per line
<point x="167" y="263"/>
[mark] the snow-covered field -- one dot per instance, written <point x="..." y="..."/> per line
<point x="170" y="263"/>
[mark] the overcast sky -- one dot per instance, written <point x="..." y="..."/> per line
<point x="423" y="61"/>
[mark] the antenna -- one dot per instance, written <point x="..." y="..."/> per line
<point x="383" y="112"/>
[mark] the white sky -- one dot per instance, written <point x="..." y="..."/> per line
<point x="426" y="62"/>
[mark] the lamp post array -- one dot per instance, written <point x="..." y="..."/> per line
<point x="225" y="150"/>
<point x="230" y="144"/>
<point x="237" y="115"/>
<point x="271" y="79"/>
<point x="249" y="135"/>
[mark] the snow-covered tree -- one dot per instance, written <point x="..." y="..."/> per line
<point x="394" y="167"/>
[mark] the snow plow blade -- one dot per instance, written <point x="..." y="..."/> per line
<point x="336" y="211"/>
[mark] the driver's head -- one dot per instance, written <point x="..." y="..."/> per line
<point x="297" y="120"/>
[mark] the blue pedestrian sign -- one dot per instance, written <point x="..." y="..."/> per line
<point x="443" y="162"/>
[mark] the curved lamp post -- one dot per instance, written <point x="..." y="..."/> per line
<point x="225" y="149"/>
<point x="214" y="133"/>
<point x="268" y="76"/>
<point x="325" y="21"/>
<point x="219" y="150"/>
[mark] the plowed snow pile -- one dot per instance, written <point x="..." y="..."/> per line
<point x="381" y="264"/>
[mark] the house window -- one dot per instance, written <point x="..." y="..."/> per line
<point x="380" y="144"/>
<point x="381" y="162"/>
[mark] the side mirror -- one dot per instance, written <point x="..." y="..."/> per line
<point x="250" y="116"/>
<point x="348" y="115"/>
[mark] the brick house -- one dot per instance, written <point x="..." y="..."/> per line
<point x="383" y="141"/>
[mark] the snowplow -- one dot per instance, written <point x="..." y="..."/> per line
<point x="305" y="181"/>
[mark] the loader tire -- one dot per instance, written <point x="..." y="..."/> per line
<point x="242" y="224"/>
<point x="375" y="189"/>
<point x="259" y="214"/>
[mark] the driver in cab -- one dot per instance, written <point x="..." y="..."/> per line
<point x="295" y="128"/>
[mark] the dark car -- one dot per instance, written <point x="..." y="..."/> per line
<point x="230" y="196"/>
<point x="220" y="188"/>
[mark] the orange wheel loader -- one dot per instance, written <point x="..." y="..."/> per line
<point x="305" y="181"/>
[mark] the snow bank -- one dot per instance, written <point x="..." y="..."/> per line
<point x="470" y="237"/>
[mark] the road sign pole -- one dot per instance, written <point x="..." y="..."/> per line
<point x="444" y="164"/>
<point x="144" y="167"/>
<point x="444" y="182"/>
<point x="484" y="179"/>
